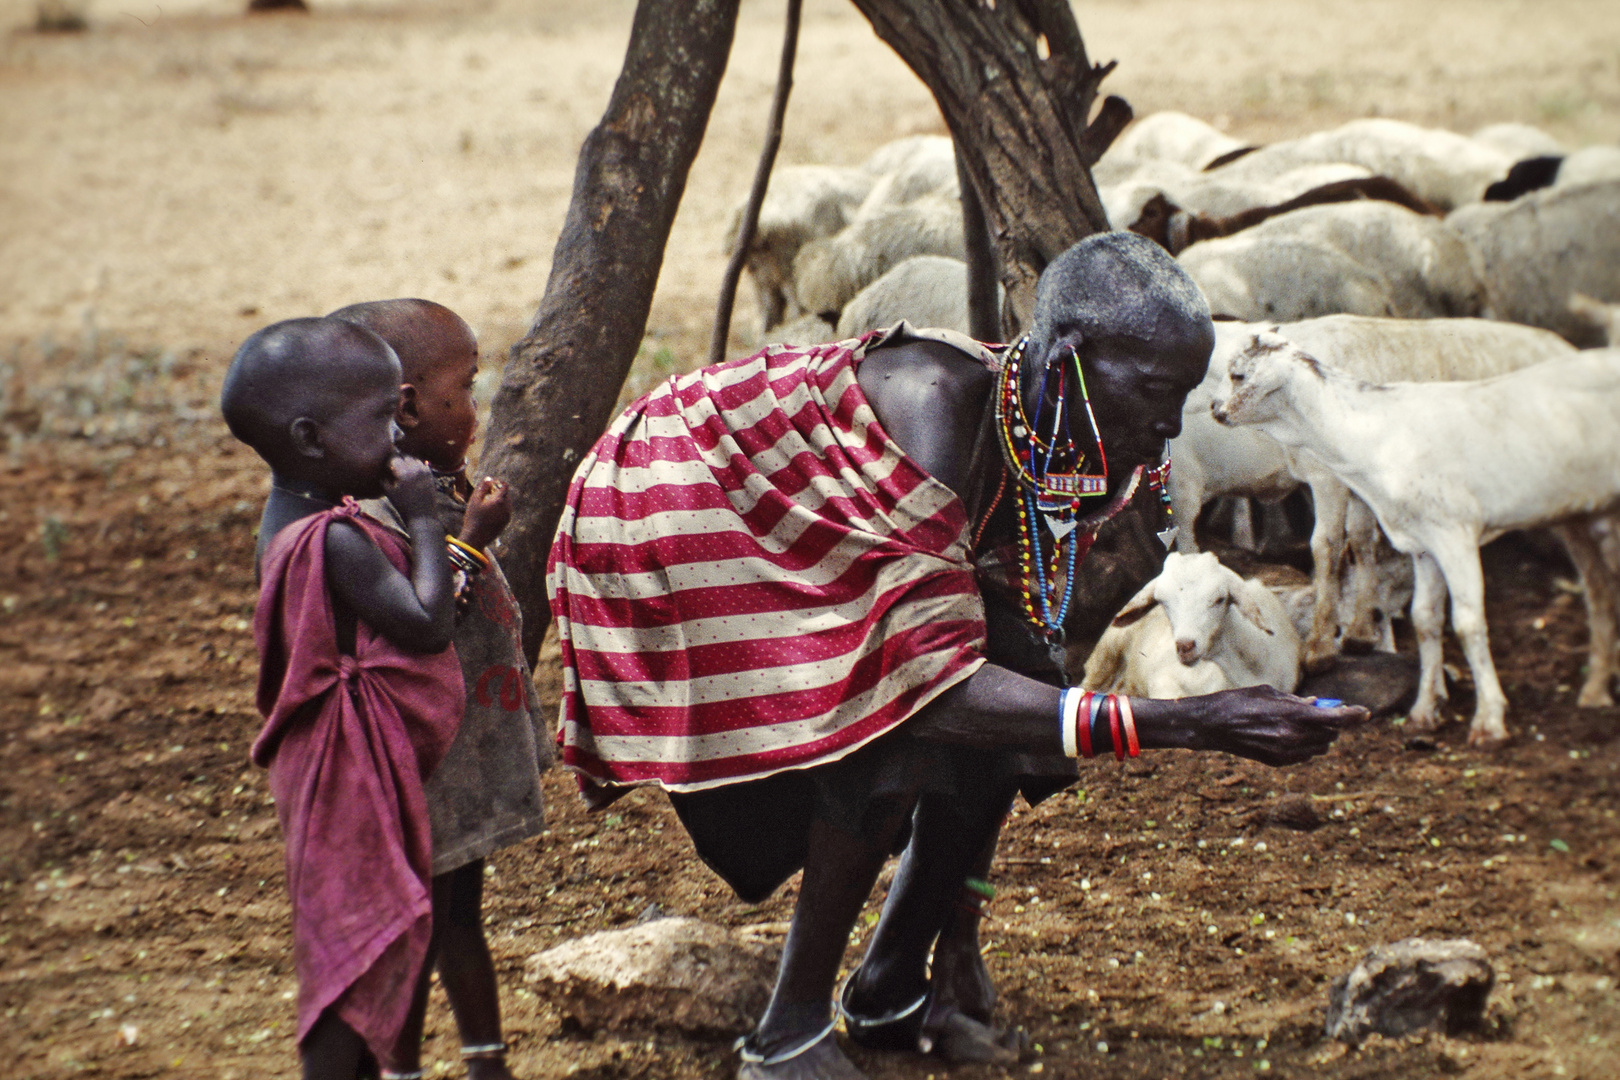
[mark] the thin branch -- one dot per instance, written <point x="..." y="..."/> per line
<point x="756" y="195"/>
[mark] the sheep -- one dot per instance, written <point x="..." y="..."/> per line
<point x="1519" y="141"/>
<point x="1164" y="136"/>
<point x="829" y="272"/>
<point x="1448" y="466"/>
<point x="1196" y="628"/>
<point x="804" y="330"/>
<point x="1427" y="269"/>
<point x="1589" y="165"/>
<point x="1605" y="317"/>
<point x="927" y="290"/>
<point x="802" y="203"/>
<point x="1214" y="195"/>
<point x="1534" y="252"/>
<point x="1445" y="168"/>
<point x="1174" y="229"/>
<point x="1256" y="279"/>
<point x="906" y="153"/>
<point x="1211" y="460"/>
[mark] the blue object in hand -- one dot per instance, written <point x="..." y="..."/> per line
<point x="1328" y="703"/>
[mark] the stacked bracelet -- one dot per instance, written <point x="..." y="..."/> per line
<point x="1078" y="711"/>
<point x="465" y="557"/>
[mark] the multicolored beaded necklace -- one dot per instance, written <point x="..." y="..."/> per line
<point x="1048" y="469"/>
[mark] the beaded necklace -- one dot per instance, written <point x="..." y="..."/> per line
<point x="1048" y="470"/>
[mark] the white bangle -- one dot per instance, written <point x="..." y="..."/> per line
<point x="1069" y="710"/>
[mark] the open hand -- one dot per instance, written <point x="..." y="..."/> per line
<point x="489" y="508"/>
<point x="409" y="486"/>
<point x="1267" y="725"/>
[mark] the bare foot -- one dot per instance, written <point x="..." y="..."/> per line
<point x="823" y="1061"/>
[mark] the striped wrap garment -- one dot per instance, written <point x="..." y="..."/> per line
<point x="750" y="576"/>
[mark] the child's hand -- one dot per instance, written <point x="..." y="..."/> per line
<point x="489" y="508"/>
<point x="409" y="486"/>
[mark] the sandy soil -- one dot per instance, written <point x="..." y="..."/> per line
<point x="179" y="175"/>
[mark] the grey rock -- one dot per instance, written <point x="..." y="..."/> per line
<point x="1411" y="985"/>
<point x="665" y="974"/>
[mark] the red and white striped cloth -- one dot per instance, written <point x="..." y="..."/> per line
<point x="750" y="576"/>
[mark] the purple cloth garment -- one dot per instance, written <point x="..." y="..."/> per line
<point x="348" y="741"/>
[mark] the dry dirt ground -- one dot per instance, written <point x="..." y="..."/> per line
<point x="178" y="175"/>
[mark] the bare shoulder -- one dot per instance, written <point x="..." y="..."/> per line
<point x="349" y="551"/>
<point x="929" y="397"/>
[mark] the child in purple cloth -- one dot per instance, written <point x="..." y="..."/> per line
<point x="360" y="689"/>
<point x="486" y="793"/>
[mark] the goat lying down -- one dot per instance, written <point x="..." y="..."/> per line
<point x="1196" y="628"/>
<point x="1447" y="466"/>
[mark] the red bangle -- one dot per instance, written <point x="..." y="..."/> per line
<point x="1132" y="747"/>
<point x="1082" y="725"/>
<point x="1113" y="726"/>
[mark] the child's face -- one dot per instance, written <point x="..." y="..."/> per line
<point x="360" y="439"/>
<point x="437" y="412"/>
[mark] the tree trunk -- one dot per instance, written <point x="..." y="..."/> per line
<point x="562" y="380"/>
<point x="1018" y="119"/>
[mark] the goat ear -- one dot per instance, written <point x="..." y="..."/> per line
<point x="1139" y="606"/>
<point x="1251" y="610"/>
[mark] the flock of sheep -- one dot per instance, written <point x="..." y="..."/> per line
<point x="1400" y="313"/>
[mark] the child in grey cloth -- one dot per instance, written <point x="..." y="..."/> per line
<point x="486" y="793"/>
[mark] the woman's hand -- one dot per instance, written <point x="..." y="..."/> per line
<point x="1265" y="725"/>
<point x="489" y="508"/>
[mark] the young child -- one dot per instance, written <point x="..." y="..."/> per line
<point x="360" y="691"/>
<point x="486" y="793"/>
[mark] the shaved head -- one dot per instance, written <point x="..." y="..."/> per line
<point x="299" y="368"/>
<point x="423" y="333"/>
<point x="1116" y="284"/>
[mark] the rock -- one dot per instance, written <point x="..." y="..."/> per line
<point x="1410" y="985"/>
<point x="1290" y="812"/>
<point x="670" y="973"/>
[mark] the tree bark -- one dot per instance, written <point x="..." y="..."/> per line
<point x="563" y="378"/>
<point x="1019" y="120"/>
<point x="756" y="194"/>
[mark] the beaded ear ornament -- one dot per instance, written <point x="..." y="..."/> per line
<point x="1050" y="471"/>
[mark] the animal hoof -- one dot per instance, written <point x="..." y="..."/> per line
<point x="1485" y="740"/>
<point x="1595" y="698"/>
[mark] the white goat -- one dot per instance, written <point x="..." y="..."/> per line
<point x="1196" y="628"/>
<point x="1534" y="252"/>
<point x="1519" y="141"/>
<point x="1449" y="466"/>
<point x="1212" y="460"/>
<point x="1447" y="169"/>
<point x="1426" y="269"/>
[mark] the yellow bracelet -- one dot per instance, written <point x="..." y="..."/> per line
<point x="483" y="560"/>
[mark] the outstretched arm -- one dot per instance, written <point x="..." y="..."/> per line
<point x="415" y="612"/>
<point x="998" y="708"/>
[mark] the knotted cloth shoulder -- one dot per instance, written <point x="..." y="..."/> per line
<point x="750" y="576"/>
<point x="348" y="741"/>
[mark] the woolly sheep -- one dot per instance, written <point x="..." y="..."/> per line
<point x="1196" y="628"/>
<point x="802" y="203"/>
<point x="1518" y="141"/>
<point x="1448" y="466"/>
<point x="1447" y="169"/>
<point x="928" y="290"/>
<point x="1534" y="252"/>
<point x="1427" y="268"/>
<point x="1264" y="278"/>
<point x="1589" y="165"/>
<point x="1163" y="136"/>
<point x="829" y="272"/>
